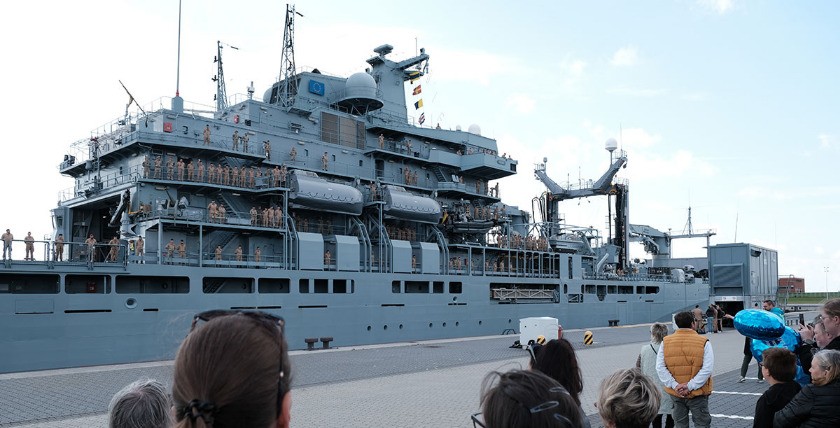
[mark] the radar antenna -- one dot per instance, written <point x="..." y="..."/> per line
<point x="288" y="85"/>
<point x="219" y="78"/>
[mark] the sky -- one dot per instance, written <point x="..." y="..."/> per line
<point x="728" y="107"/>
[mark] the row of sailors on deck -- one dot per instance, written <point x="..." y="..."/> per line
<point x="401" y="233"/>
<point x="475" y="212"/>
<point x="324" y="226"/>
<point x="267" y="217"/>
<point x="215" y="174"/>
<point x="517" y="241"/>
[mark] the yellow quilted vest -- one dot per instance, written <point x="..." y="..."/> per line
<point x="683" y="353"/>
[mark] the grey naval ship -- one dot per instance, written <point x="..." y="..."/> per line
<point x="324" y="203"/>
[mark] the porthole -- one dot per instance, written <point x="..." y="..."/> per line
<point x="368" y="328"/>
<point x="430" y="325"/>
<point x="401" y="326"/>
<point x="131" y="303"/>
<point x="457" y="323"/>
<point x="385" y="327"/>
<point x="444" y="324"/>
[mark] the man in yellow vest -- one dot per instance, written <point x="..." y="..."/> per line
<point x="684" y="364"/>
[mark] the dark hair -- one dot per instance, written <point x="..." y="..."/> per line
<point x="232" y="371"/>
<point x="557" y="360"/>
<point x="628" y="399"/>
<point x="780" y="363"/>
<point x="770" y="302"/>
<point x="527" y="399"/>
<point x="684" y="319"/>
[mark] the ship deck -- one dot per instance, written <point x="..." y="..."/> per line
<point x="430" y="383"/>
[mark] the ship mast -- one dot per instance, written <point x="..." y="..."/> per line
<point x="288" y="86"/>
<point x="219" y="78"/>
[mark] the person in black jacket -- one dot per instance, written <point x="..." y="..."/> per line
<point x="779" y="366"/>
<point x="816" y="405"/>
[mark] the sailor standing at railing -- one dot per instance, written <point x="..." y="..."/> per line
<point x="30" y="246"/>
<point x="91" y="246"/>
<point x="59" y="247"/>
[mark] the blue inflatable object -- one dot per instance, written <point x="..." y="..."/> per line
<point x="788" y="340"/>
<point x="759" y="324"/>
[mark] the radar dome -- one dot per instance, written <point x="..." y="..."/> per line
<point x="360" y="94"/>
<point x="611" y="144"/>
<point x="457" y="127"/>
<point x="361" y="84"/>
<point x="474" y="129"/>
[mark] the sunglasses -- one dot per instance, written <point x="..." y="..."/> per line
<point x="272" y="323"/>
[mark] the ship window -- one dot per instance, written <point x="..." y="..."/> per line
<point x="651" y="290"/>
<point x="29" y="284"/>
<point x="455" y="288"/>
<point x="417" y="287"/>
<point x="150" y="284"/>
<point x="625" y="289"/>
<point x="274" y="285"/>
<point x="93" y="284"/>
<point x="612" y="289"/>
<point x="223" y="285"/>
<point x="340" y="286"/>
<point x="321" y="286"/>
<point x="361" y="162"/>
<point x="395" y="287"/>
<point x="437" y="287"/>
<point x="303" y="286"/>
<point x="589" y="288"/>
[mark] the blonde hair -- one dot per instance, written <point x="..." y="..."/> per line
<point x="658" y="331"/>
<point x="828" y="360"/>
<point x="628" y="398"/>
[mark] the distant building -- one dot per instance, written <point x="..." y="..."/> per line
<point x="789" y="284"/>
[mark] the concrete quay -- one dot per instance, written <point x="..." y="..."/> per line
<point x="420" y="384"/>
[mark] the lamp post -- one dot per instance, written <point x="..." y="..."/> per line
<point x="826" y="282"/>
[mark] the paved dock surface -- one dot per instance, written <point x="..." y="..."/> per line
<point x="423" y="384"/>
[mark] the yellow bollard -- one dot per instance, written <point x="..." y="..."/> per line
<point x="587" y="338"/>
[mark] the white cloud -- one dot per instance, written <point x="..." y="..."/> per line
<point x="827" y="141"/>
<point x="625" y="57"/>
<point x="572" y="72"/>
<point x="695" y="96"/>
<point x="637" y="92"/>
<point x="720" y="7"/>
<point x="521" y="103"/>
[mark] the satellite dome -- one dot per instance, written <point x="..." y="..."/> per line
<point x="457" y="127"/>
<point x="611" y="144"/>
<point x="474" y="129"/>
<point x="360" y="94"/>
<point x="360" y="82"/>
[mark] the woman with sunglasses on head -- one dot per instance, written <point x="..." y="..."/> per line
<point x="628" y="399"/>
<point x="557" y="360"/>
<point x="816" y="405"/>
<point x="647" y="363"/>
<point x="233" y="370"/>
<point x="525" y="399"/>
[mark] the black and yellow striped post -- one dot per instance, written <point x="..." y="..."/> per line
<point x="587" y="338"/>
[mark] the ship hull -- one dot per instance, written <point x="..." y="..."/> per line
<point x="107" y="325"/>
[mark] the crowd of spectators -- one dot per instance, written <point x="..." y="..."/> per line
<point x="233" y="370"/>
